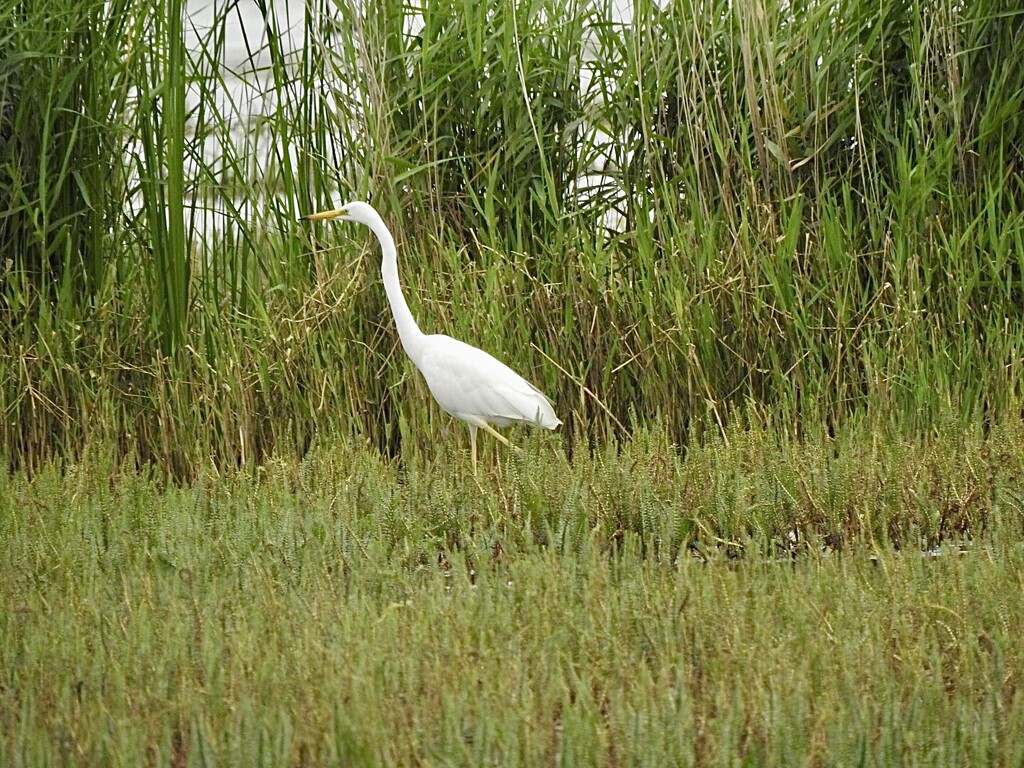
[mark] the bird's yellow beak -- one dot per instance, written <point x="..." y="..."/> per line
<point x="323" y="215"/>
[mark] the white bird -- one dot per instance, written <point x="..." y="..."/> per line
<point x="467" y="382"/>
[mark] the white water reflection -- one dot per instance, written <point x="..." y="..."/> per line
<point x="233" y="36"/>
<point x="240" y="41"/>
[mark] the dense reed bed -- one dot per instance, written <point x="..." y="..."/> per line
<point x="818" y="210"/>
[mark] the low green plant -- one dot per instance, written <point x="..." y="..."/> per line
<point x="760" y="601"/>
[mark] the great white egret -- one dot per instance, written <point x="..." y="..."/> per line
<point x="467" y="382"/>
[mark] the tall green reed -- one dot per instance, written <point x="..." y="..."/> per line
<point x="65" y="85"/>
<point x="160" y="165"/>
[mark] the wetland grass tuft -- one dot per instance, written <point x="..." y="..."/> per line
<point x="626" y="608"/>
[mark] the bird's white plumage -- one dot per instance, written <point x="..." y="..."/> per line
<point x="467" y="382"/>
<point x="473" y="386"/>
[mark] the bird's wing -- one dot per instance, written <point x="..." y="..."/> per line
<point x="474" y="386"/>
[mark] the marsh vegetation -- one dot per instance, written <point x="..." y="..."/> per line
<point x="768" y="260"/>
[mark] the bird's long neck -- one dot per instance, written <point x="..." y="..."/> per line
<point x="408" y="331"/>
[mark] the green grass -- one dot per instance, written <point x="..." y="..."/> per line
<point x="236" y="529"/>
<point x="632" y="608"/>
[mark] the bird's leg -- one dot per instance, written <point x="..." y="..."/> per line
<point x="497" y="435"/>
<point x="501" y="438"/>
